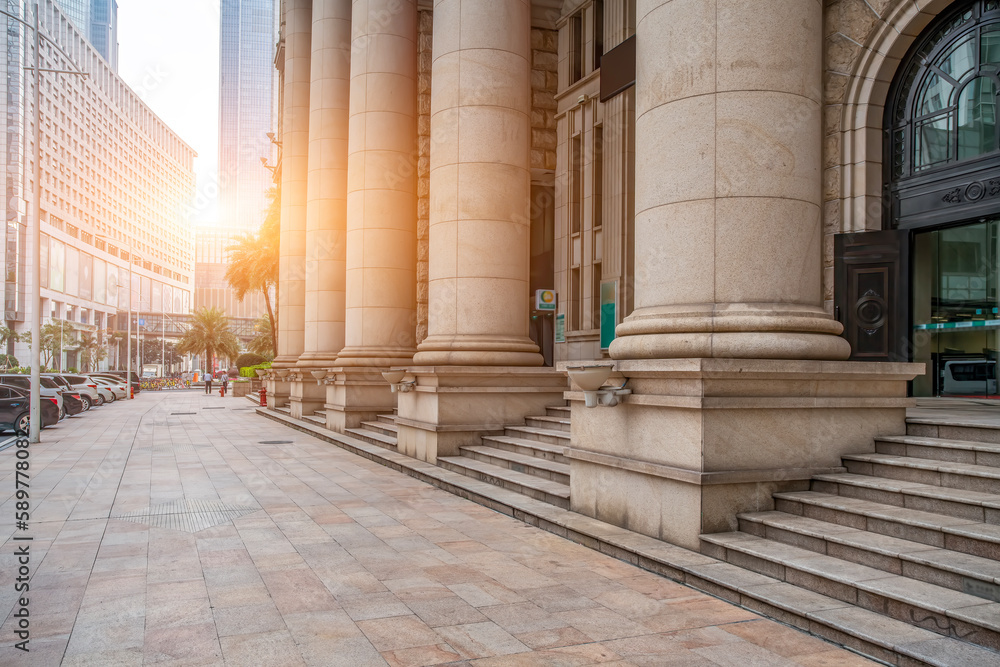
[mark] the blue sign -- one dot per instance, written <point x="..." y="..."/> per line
<point x="142" y="322"/>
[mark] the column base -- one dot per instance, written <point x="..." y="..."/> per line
<point x="306" y="396"/>
<point x="452" y="406"/>
<point x="730" y="331"/>
<point x="355" y="395"/>
<point x="278" y="393"/>
<point x="316" y="360"/>
<point x="284" y="361"/>
<point x="700" y="440"/>
<point x="468" y="350"/>
<point x="375" y="357"/>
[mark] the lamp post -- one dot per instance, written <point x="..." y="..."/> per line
<point x="128" y="363"/>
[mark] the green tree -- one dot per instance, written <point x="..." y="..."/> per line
<point x="8" y="337"/>
<point x="56" y="335"/>
<point x="91" y="351"/>
<point x="253" y="261"/>
<point x="262" y="342"/>
<point x="210" y="335"/>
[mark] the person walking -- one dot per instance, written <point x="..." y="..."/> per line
<point x="208" y="383"/>
<point x="225" y="384"/>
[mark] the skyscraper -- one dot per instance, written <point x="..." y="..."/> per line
<point x="98" y="21"/>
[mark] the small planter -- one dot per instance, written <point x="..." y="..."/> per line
<point x="241" y="388"/>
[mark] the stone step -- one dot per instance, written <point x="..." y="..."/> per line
<point x="973" y="505"/>
<point x="557" y="472"/>
<point x="387" y="419"/>
<point x="925" y="471"/>
<point x="936" y="530"/>
<point x="554" y="423"/>
<point x="381" y="427"/>
<point x="955" y="451"/>
<point x="539" y="450"/>
<point x="558" y="411"/>
<point x="534" y="487"/>
<point x="320" y="413"/>
<point x="551" y="436"/>
<point x="934" y="608"/>
<point x="949" y="569"/>
<point x="372" y="437"/>
<point x="285" y="410"/>
<point x="316" y="418"/>
<point x="953" y="429"/>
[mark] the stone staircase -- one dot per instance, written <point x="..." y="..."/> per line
<point x="527" y="459"/>
<point x="909" y="534"/>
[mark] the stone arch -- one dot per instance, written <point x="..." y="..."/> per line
<point x="866" y="89"/>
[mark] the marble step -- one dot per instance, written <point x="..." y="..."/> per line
<point x="387" y="419"/>
<point x="953" y="429"/>
<point x="936" y="530"/>
<point x="551" y="436"/>
<point x="384" y="428"/>
<point x="955" y="451"/>
<point x="950" y="569"/>
<point x="373" y="437"/>
<point x="539" y="450"/>
<point x="316" y="418"/>
<point x="557" y="472"/>
<point x="973" y="505"/>
<point x="285" y="410"/>
<point x="925" y="471"/>
<point x="534" y="487"/>
<point x="934" y="608"/>
<point x="558" y="411"/>
<point x="554" y="423"/>
<point x="320" y="413"/>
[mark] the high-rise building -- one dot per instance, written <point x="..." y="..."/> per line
<point x="116" y="190"/>
<point x="247" y="101"/>
<point x="98" y="21"/>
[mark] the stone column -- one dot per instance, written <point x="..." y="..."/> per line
<point x="382" y="212"/>
<point x="326" y="207"/>
<point x="728" y="183"/>
<point x="294" y="157"/>
<point x="382" y="190"/>
<point x="479" y="186"/>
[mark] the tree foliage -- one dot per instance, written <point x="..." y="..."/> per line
<point x="253" y="260"/>
<point x="210" y="335"/>
<point x="91" y="350"/>
<point x="262" y="342"/>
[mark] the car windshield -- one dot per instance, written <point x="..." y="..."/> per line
<point x="49" y="383"/>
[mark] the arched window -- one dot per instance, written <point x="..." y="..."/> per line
<point x="942" y="120"/>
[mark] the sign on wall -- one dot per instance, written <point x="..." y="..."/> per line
<point x="561" y="328"/>
<point x="609" y="312"/>
<point x="545" y="299"/>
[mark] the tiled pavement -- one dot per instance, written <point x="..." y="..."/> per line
<point x="344" y="563"/>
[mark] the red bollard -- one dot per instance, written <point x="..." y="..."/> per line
<point x="263" y="395"/>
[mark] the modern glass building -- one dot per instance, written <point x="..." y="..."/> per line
<point x="98" y="21"/>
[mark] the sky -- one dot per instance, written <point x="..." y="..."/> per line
<point x="168" y="53"/>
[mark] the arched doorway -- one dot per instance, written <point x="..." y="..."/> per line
<point x="942" y="191"/>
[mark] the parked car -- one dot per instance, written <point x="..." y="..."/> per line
<point x="117" y="386"/>
<point x="72" y="403"/>
<point x="15" y="409"/>
<point x="105" y="393"/>
<point x="81" y="384"/>
<point x="121" y="374"/>
<point x="49" y="388"/>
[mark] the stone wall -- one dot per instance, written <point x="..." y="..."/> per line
<point x="544" y="84"/>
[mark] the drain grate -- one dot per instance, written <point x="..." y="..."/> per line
<point x="274" y="442"/>
<point x="183" y="413"/>
<point x="217" y="407"/>
<point x="189" y="516"/>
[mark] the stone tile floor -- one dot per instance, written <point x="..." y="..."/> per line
<point x="344" y="563"/>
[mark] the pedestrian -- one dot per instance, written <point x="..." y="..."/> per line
<point x="225" y="384"/>
<point x="208" y="383"/>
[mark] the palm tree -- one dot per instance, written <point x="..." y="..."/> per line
<point x="8" y="337"/>
<point x="210" y="334"/>
<point x="253" y="260"/>
<point x="262" y="342"/>
<point x="91" y="351"/>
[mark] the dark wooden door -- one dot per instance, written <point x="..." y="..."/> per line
<point x="871" y="293"/>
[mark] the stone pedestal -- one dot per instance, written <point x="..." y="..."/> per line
<point x="700" y="440"/>
<point x="354" y="395"/>
<point x="451" y="406"/>
<point x="306" y="396"/>
<point x="278" y="392"/>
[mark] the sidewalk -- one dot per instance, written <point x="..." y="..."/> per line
<point x="234" y="540"/>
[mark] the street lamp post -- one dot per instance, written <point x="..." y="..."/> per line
<point x="128" y="348"/>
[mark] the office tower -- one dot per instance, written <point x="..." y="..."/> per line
<point x="98" y="21"/>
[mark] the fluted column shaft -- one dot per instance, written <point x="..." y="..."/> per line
<point x="294" y="157"/>
<point x="326" y="207"/>
<point x="728" y="183"/>
<point x="382" y="186"/>
<point x="479" y="186"/>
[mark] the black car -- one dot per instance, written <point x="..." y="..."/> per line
<point x="15" y="409"/>
<point x="72" y="403"/>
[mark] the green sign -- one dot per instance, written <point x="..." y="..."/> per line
<point x="561" y="328"/>
<point x="609" y="312"/>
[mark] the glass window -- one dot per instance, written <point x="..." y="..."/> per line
<point x="977" y="118"/>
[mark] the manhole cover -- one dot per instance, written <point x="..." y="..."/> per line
<point x="217" y="407"/>
<point x="274" y="442"/>
<point x="183" y="413"/>
<point x="188" y="515"/>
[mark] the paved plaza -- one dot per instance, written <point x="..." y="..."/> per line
<point x="184" y="529"/>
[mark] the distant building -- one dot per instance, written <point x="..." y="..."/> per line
<point x="98" y="21"/>
<point x="116" y="189"/>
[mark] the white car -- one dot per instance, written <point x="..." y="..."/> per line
<point x="117" y="388"/>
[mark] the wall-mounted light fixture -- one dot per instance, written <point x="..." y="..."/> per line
<point x="395" y="379"/>
<point x="319" y="375"/>
<point x="591" y="379"/>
